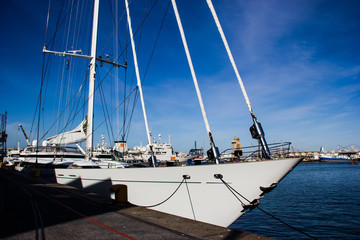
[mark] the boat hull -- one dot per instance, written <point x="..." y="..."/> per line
<point x="202" y="197"/>
<point x="338" y="159"/>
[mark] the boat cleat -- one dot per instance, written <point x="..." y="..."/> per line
<point x="267" y="189"/>
<point x="253" y="204"/>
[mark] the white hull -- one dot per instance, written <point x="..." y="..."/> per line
<point x="52" y="159"/>
<point x="202" y="197"/>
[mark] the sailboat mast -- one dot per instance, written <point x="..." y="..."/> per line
<point x="139" y="81"/>
<point x="90" y="117"/>
<point x="213" y="147"/>
<point x="256" y="129"/>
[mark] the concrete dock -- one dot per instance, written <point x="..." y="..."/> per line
<point x="32" y="208"/>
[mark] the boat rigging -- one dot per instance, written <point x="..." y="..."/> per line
<point x="205" y="194"/>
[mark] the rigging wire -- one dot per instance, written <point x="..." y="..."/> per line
<point x="117" y="44"/>
<point x="105" y="110"/>
<point x="80" y="92"/>
<point x="66" y="75"/>
<point x="43" y="73"/>
<point x="75" y="35"/>
<point x="138" y="29"/>
<point x="85" y="102"/>
<point x="148" y="65"/>
<point x="124" y="110"/>
<point x="126" y="107"/>
<point x="44" y="68"/>
<point x="46" y="30"/>
<point x="157" y="39"/>
<point x="125" y="82"/>
<point x="137" y="50"/>
<point x="115" y="109"/>
<point x="77" y="26"/>
<point x="59" y="23"/>
<point x="103" y="107"/>
<point x="84" y="80"/>
<point x="75" y="106"/>
<point x="136" y="32"/>
<point x="38" y="127"/>
<point x="47" y="20"/>
<point x="75" y="39"/>
<point x="115" y="29"/>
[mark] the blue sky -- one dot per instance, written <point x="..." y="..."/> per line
<point x="299" y="61"/>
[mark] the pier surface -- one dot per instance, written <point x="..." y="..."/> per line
<point x="31" y="208"/>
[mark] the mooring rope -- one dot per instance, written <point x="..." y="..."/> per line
<point x="233" y="191"/>
<point x="150" y="206"/>
<point x="192" y="207"/>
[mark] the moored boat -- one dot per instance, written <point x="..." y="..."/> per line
<point x="339" y="155"/>
<point x="215" y="193"/>
<point x="199" y="192"/>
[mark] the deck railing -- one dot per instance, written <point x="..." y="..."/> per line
<point x="277" y="150"/>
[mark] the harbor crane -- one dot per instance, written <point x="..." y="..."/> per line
<point x="26" y="137"/>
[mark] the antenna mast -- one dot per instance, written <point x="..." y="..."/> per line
<point x="90" y="116"/>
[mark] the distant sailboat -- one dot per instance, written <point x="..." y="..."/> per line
<point x="54" y="152"/>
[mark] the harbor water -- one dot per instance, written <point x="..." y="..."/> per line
<point x="320" y="199"/>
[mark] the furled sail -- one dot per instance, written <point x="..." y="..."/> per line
<point x="76" y="135"/>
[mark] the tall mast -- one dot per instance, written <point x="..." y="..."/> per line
<point x="139" y="81"/>
<point x="93" y="59"/>
<point x="256" y="130"/>
<point x="213" y="147"/>
<point x="90" y="116"/>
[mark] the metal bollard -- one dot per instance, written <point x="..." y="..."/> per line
<point x="121" y="194"/>
<point x="36" y="172"/>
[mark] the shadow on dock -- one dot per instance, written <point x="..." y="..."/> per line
<point x="40" y="208"/>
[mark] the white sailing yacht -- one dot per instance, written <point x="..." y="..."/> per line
<point x="215" y="193"/>
<point x="54" y="152"/>
<point x="163" y="152"/>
